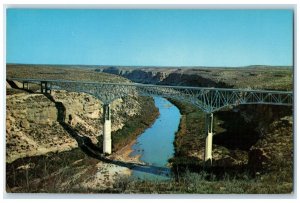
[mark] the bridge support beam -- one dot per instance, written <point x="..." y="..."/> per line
<point x="106" y="129"/>
<point x="209" y="139"/>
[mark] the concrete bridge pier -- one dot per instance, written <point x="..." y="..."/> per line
<point x="106" y="129"/>
<point x="209" y="139"/>
<point x="25" y="85"/>
<point x="45" y="87"/>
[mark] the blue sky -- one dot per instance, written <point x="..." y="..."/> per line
<point x="150" y="37"/>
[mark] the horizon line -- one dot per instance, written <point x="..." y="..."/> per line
<point x="163" y="66"/>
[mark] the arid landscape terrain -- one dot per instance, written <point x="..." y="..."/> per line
<point x="54" y="141"/>
<point x="34" y="131"/>
<point x="249" y="77"/>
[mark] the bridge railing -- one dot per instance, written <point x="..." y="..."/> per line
<point x="206" y="98"/>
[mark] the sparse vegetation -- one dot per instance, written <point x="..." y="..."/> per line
<point x="56" y="172"/>
<point x="46" y="173"/>
<point x="58" y="72"/>
<point x="268" y="173"/>
<point x="204" y="183"/>
<point x="136" y="126"/>
<point x="23" y="174"/>
<point x="251" y="154"/>
<point x="251" y="77"/>
<point x="232" y="145"/>
<point x="244" y="161"/>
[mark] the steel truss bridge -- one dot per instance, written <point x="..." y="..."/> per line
<point x="208" y="99"/>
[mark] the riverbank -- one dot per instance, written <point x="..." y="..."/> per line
<point x="273" y="162"/>
<point x="134" y="127"/>
<point x="155" y="145"/>
<point x="34" y="121"/>
<point x="78" y="171"/>
<point x="272" y="176"/>
<point x="189" y="140"/>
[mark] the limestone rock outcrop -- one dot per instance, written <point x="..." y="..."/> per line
<point x="32" y="121"/>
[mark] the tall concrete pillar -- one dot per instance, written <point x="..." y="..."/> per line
<point x="209" y="139"/>
<point x="106" y="129"/>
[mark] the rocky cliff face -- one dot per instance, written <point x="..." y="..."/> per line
<point x="254" y="134"/>
<point x="157" y="76"/>
<point x="138" y="75"/>
<point x="32" y="121"/>
<point x="256" y="77"/>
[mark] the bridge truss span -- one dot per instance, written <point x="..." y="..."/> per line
<point x="208" y="99"/>
<point x="220" y="98"/>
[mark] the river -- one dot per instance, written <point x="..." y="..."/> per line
<point x="155" y="146"/>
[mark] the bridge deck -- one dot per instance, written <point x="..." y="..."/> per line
<point x="148" y="85"/>
<point x="208" y="99"/>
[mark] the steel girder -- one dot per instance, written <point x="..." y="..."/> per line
<point x="207" y="99"/>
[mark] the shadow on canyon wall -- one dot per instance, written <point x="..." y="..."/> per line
<point x="89" y="148"/>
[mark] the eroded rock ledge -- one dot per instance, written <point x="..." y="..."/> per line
<point x="32" y="126"/>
